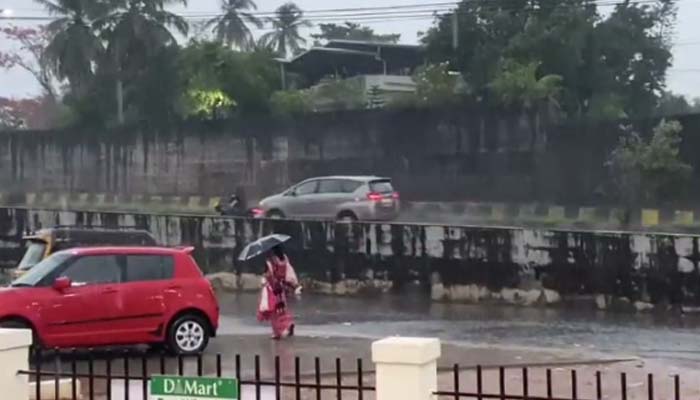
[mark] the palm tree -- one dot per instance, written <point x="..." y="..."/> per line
<point x="142" y="22"/>
<point x="74" y="46"/>
<point x="285" y="37"/>
<point x="230" y="27"/>
<point x="137" y="30"/>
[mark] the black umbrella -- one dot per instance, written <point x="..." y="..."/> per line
<point x="262" y="245"/>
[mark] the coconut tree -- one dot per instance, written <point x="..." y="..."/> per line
<point x="137" y="31"/>
<point x="285" y="37"/>
<point x="74" y="47"/>
<point x="231" y="27"/>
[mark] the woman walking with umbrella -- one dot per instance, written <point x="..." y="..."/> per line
<point x="279" y="280"/>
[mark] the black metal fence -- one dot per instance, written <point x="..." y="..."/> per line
<point x="561" y="384"/>
<point x="126" y="376"/>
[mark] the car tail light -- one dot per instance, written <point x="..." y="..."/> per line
<point x="395" y="195"/>
<point x="257" y="212"/>
<point x="375" y="196"/>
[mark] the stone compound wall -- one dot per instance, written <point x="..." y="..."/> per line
<point x="432" y="155"/>
<point x="465" y="264"/>
<point x="464" y="148"/>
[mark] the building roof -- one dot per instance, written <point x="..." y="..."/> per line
<point x="352" y="57"/>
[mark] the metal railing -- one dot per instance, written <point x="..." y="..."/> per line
<point x="129" y="371"/>
<point x="567" y="388"/>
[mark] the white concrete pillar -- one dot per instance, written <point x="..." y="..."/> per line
<point x="406" y="368"/>
<point x="14" y="357"/>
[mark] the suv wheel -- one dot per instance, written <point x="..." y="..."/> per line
<point x="347" y="216"/>
<point x="188" y="335"/>
<point x="275" y="214"/>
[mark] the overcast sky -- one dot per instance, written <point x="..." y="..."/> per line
<point x="683" y="78"/>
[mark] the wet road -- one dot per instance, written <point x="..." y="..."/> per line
<point x="330" y="327"/>
<point x="671" y="339"/>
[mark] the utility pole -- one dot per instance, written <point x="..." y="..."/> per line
<point x="455" y="30"/>
<point x="283" y="76"/>
<point x="120" y="85"/>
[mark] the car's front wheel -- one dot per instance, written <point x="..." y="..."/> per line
<point x="188" y="335"/>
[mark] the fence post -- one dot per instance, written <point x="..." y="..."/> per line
<point x="406" y="368"/>
<point x="14" y="357"/>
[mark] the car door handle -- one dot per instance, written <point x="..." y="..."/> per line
<point x="109" y="291"/>
<point x="174" y="287"/>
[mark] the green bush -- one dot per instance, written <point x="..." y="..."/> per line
<point x="291" y="102"/>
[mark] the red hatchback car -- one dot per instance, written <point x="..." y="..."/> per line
<point x="113" y="296"/>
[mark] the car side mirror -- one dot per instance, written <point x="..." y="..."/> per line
<point x="292" y="193"/>
<point x="62" y="283"/>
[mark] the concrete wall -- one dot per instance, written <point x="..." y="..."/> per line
<point x="518" y="266"/>
<point x="431" y="154"/>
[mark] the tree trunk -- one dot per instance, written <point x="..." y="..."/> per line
<point x="120" y="102"/>
<point x="534" y="128"/>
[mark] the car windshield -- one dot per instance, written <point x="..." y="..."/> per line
<point x="383" y="186"/>
<point x="34" y="254"/>
<point x="41" y="270"/>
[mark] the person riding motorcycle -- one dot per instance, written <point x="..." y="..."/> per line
<point x="234" y="207"/>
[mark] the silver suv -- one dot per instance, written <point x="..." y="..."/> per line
<point x="348" y="198"/>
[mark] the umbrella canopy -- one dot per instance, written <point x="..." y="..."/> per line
<point x="262" y="245"/>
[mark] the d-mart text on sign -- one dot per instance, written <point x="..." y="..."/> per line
<point x="193" y="388"/>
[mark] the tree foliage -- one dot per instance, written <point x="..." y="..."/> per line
<point x="207" y="104"/>
<point x="231" y="27"/>
<point x="352" y="31"/>
<point x="74" y="45"/>
<point x="331" y="95"/>
<point x="247" y="79"/>
<point x="291" y="102"/>
<point x="673" y="104"/>
<point x="649" y="170"/>
<point x="33" y="113"/>
<point x="285" y="38"/>
<point x="534" y="55"/>
<point x="375" y="98"/>
<point x="604" y="61"/>
<point x="436" y="86"/>
<point x="30" y="55"/>
<point x="518" y="84"/>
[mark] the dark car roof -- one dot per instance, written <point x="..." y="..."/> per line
<point x="104" y="236"/>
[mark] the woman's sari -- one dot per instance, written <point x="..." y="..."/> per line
<point x="279" y="280"/>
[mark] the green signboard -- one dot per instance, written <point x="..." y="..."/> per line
<point x="193" y="388"/>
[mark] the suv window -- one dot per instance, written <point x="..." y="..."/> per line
<point x="381" y="186"/>
<point x="306" y="188"/>
<point x="350" y="186"/>
<point x="330" y="186"/>
<point x="91" y="270"/>
<point x="149" y="268"/>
